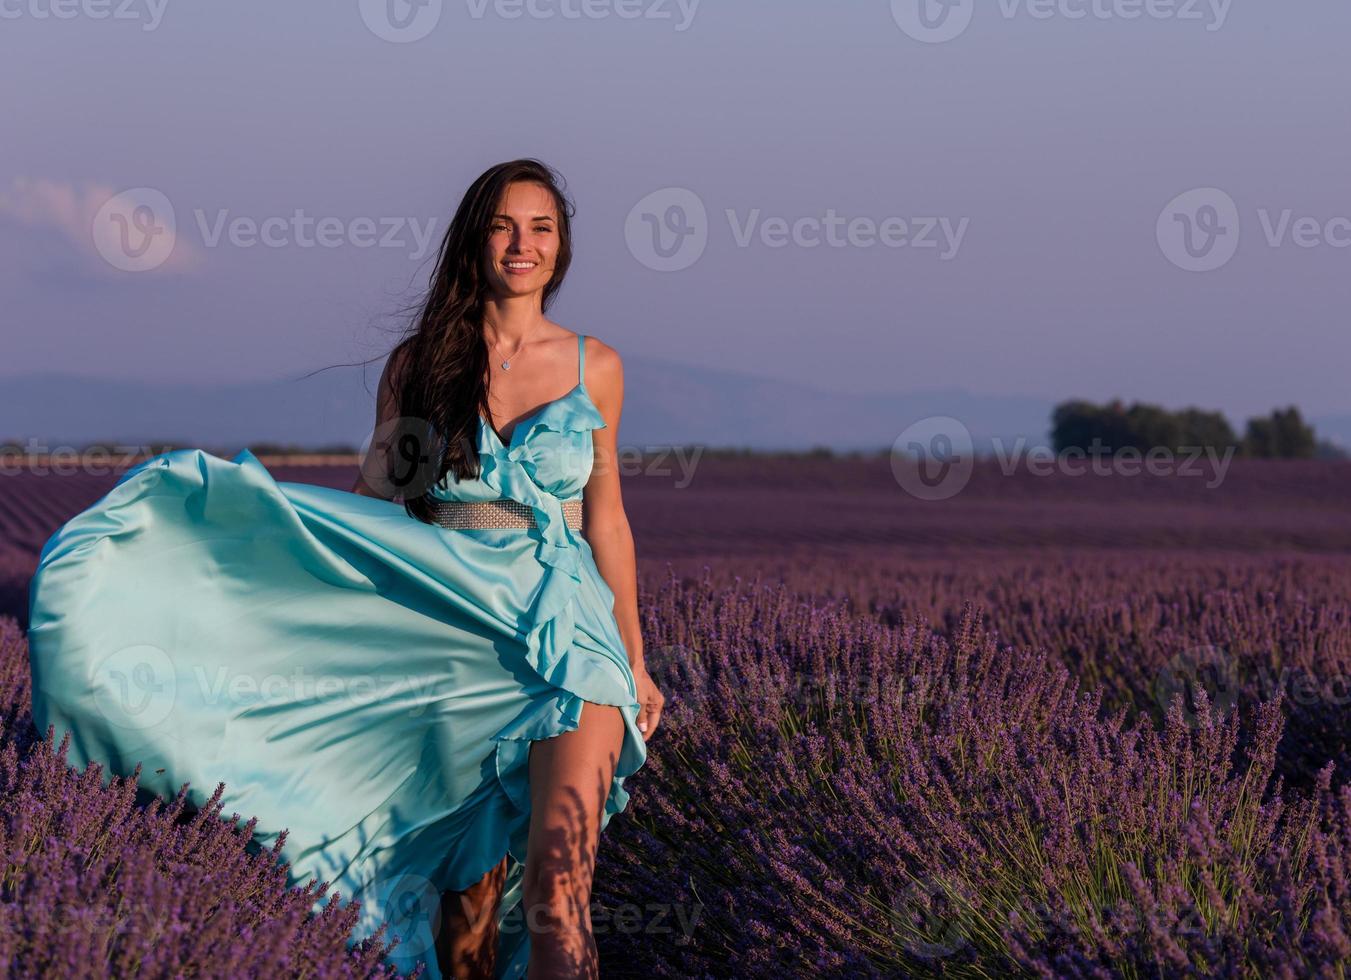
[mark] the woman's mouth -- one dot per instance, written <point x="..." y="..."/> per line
<point x="519" y="267"/>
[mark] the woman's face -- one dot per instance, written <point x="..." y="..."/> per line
<point x="522" y="240"/>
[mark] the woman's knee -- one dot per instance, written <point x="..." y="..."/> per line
<point x="477" y="904"/>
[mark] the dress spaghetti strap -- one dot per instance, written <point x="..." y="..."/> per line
<point x="581" y="361"/>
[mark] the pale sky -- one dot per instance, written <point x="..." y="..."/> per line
<point x="1042" y="148"/>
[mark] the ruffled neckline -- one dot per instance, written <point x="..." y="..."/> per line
<point x="561" y="415"/>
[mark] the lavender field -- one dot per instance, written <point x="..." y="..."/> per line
<point x="1086" y="726"/>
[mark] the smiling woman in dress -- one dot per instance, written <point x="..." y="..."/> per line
<point x="450" y="655"/>
<point x="488" y="369"/>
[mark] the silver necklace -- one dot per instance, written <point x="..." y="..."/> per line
<point x="506" y="362"/>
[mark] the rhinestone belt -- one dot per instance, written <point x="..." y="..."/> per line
<point x="470" y="514"/>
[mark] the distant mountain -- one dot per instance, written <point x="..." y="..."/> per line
<point x="1334" y="428"/>
<point x="672" y="403"/>
<point x="665" y="404"/>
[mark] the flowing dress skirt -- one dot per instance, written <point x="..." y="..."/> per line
<point x="368" y="682"/>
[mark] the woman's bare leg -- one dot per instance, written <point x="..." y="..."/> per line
<point x="570" y="776"/>
<point x="466" y="943"/>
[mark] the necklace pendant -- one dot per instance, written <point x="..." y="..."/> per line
<point x="506" y="365"/>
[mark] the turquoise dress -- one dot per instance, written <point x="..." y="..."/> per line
<point x="364" y="680"/>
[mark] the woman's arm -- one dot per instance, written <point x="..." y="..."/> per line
<point x="606" y="526"/>
<point x="373" y="479"/>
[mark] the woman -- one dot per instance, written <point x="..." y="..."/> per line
<point x="440" y="711"/>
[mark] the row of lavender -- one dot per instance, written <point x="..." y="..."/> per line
<point x="835" y="795"/>
<point x="835" y="791"/>
<point x="97" y="881"/>
<point x="1136" y="626"/>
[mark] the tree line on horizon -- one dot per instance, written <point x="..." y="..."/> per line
<point x="1112" y="427"/>
<point x="1075" y="424"/>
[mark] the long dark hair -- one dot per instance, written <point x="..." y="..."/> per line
<point x="442" y="390"/>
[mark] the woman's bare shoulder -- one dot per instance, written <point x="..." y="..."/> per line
<point x="602" y="360"/>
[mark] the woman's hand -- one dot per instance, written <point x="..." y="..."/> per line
<point x="650" y="701"/>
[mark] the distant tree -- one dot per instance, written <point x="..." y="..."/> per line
<point x="1282" y="435"/>
<point x="1083" y="425"/>
<point x="1086" y="426"/>
<point x="1260" y="439"/>
<point x="1201" y="428"/>
<point x="1150" y="426"/>
<point x="1073" y="423"/>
